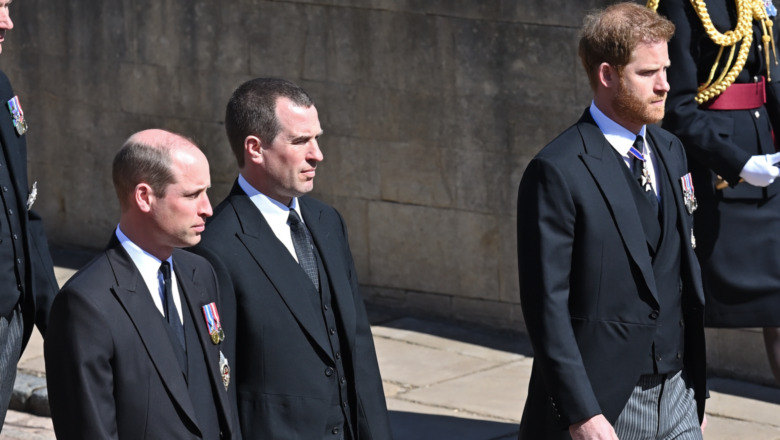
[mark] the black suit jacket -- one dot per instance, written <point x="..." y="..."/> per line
<point x="110" y="368"/>
<point x="40" y="284"/>
<point x="281" y="347"/>
<point x="586" y="280"/>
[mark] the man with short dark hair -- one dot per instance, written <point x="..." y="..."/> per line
<point x="304" y="354"/>
<point x="27" y="281"/>
<point x="134" y="349"/>
<point x="609" y="284"/>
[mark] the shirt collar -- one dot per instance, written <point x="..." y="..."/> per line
<point x="144" y="261"/>
<point x="273" y="210"/>
<point x="618" y="136"/>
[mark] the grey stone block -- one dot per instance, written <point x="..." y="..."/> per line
<point x="459" y="255"/>
<point x="30" y="395"/>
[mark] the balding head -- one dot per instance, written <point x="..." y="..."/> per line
<point x="146" y="157"/>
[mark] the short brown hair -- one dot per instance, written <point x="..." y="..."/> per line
<point x="251" y="111"/>
<point x="610" y="35"/>
<point x="149" y="162"/>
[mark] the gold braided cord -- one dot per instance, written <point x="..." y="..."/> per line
<point x="747" y="11"/>
<point x="652" y="4"/>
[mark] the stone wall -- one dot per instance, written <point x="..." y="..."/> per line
<point x="431" y="110"/>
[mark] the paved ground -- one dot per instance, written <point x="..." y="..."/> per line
<point x="444" y="381"/>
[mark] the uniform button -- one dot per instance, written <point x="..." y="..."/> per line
<point x="18" y="261"/>
<point x="757" y="114"/>
<point x="335" y="431"/>
<point x="338" y="355"/>
<point x="5" y="189"/>
<point x="679" y="355"/>
<point x="682" y="323"/>
<point x="332" y="331"/>
<point x="15" y="237"/>
<point x="329" y="372"/>
<point x="344" y="404"/>
<point x="11" y="211"/>
<point x="325" y="307"/>
<point x="654" y="314"/>
<point x="658" y="357"/>
<point x="343" y="380"/>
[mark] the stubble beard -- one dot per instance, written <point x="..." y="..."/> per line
<point x="635" y="109"/>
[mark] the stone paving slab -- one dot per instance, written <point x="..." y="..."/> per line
<point x="741" y="408"/>
<point x="723" y="428"/>
<point x="498" y="392"/>
<point x="404" y="363"/>
<point x="23" y="426"/>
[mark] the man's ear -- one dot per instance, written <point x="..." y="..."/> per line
<point x="608" y="76"/>
<point x="143" y="197"/>
<point x="253" y="149"/>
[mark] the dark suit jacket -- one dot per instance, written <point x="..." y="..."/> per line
<point x="40" y="284"/>
<point x="281" y="347"/>
<point x="110" y="368"/>
<point x="586" y="280"/>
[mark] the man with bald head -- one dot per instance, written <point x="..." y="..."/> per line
<point x="134" y="349"/>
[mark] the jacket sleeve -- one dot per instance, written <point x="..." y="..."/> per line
<point x="372" y="418"/>
<point x="546" y="217"/>
<point x="44" y="282"/>
<point x="78" y="351"/>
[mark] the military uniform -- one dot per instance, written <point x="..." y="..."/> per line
<point x="737" y="225"/>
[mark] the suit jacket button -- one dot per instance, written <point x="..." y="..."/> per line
<point x="335" y="431"/>
<point x="654" y="314"/>
<point x="329" y="372"/>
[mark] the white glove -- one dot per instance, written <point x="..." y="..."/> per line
<point x="760" y="170"/>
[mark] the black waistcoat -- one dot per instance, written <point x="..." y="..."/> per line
<point x="198" y="384"/>
<point x="195" y="373"/>
<point x="339" y="373"/>
<point x="666" y="353"/>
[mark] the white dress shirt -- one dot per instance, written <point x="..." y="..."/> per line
<point x="149" y="266"/>
<point x="275" y="213"/>
<point x="622" y="140"/>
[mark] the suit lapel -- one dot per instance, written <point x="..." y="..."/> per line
<point x="135" y="298"/>
<point x="333" y="261"/>
<point x="195" y="298"/>
<point x="663" y="148"/>
<point x="277" y="264"/>
<point x="599" y="161"/>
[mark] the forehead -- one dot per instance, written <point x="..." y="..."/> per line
<point x="650" y="53"/>
<point x="189" y="166"/>
<point x="297" y="119"/>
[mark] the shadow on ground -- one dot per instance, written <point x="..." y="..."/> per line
<point x="414" y="426"/>
<point x="504" y="340"/>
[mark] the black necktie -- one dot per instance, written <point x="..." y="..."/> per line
<point x="171" y="315"/>
<point x="641" y="174"/>
<point x="303" y="245"/>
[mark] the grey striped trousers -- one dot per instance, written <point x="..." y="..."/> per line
<point x="661" y="407"/>
<point x="11" y="329"/>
